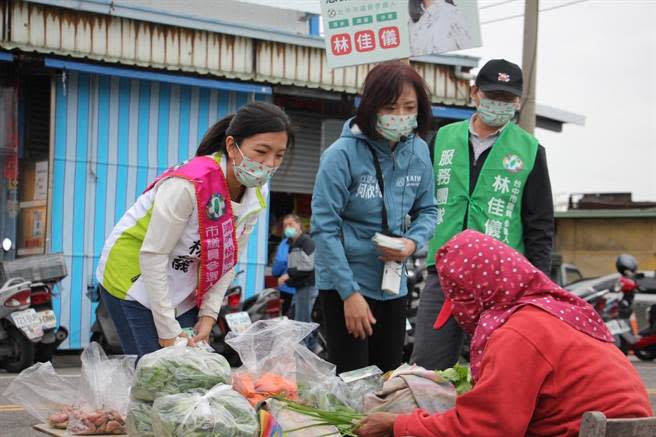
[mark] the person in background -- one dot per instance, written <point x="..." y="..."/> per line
<point x="300" y="273"/>
<point x="279" y="270"/>
<point x="170" y="259"/>
<point x="364" y="324"/>
<point x="491" y="176"/>
<point x="541" y="356"/>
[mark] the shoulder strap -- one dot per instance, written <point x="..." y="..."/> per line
<point x="381" y="185"/>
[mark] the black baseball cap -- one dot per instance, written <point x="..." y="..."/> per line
<point x="500" y="75"/>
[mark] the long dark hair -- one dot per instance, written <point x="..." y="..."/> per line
<point x="383" y="85"/>
<point x="251" y="119"/>
<point x="416" y="8"/>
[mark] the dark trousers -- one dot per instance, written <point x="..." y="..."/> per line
<point x="435" y="349"/>
<point x="383" y="349"/>
<point x="287" y="300"/>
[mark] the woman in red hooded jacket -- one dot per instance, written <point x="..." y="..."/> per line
<point x="540" y="356"/>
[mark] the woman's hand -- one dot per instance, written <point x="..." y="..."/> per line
<point x="377" y="425"/>
<point x="166" y="342"/>
<point x="203" y="329"/>
<point x="388" y="254"/>
<point x="358" y="316"/>
<point x="283" y="280"/>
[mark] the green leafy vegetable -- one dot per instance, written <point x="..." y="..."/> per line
<point x="220" y="412"/>
<point x="178" y="369"/>
<point x="459" y="376"/>
<point x="343" y="418"/>
<point x="139" y="419"/>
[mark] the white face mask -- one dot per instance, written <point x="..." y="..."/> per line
<point x="393" y="127"/>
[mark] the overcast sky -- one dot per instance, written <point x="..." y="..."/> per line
<point x="596" y="58"/>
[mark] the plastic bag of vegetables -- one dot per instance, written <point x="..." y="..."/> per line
<point x="271" y="346"/>
<point x="95" y="406"/>
<point x="44" y="394"/>
<point x="219" y="412"/>
<point x="140" y="421"/>
<point x="277" y="362"/>
<point x="178" y="369"/>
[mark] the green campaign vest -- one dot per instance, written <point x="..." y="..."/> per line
<point x="495" y="205"/>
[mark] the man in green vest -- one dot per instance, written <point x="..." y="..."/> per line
<point x="490" y="176"/>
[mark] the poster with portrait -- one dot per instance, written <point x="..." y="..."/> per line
<point x="442" y="26"/>
<point x="367" y="31"/>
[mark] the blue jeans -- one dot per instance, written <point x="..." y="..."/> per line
<point x="304" y="301"/>
<point x="135" y="325"/>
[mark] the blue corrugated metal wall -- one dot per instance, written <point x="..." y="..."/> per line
<point x="112" y="136"/>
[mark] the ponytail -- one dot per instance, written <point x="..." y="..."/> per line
<point x="251" y="119"/>
<point x="214" y="139"/>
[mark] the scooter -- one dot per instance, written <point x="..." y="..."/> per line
<point x="19" y="326"/>
<point x="103" y="330"/>
<point x="28" y="325"/>
<point x="416" y="278"/>
<point x="267" y="304"/>
<point x="615" y="305"/>
<point x="225" y="322"/>
<point x="645" y="347"/>
<point x="41" y="301"/>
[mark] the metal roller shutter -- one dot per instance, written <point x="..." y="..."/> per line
<point x="297" y="173"/>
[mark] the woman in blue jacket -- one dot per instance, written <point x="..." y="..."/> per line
<point x="365" y="325"/>
<point x="279" y="270"/>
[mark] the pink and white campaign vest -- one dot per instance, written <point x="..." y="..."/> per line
<point x="216" y="227"/>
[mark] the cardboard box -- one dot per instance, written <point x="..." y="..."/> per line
<point x="32" y="224"/>
<point x="33" y="181"/>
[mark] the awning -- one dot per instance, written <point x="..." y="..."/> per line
<point x="159" y="77"/>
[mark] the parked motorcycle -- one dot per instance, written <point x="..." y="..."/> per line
<point x="228" y="318"/>
<point x="615" y="305"/>
<point x="645" y="346"/>
<point x="103" y="330"/>
<point x="267" y="304"/>
<point x="416" y="278"/>
<point x="41" y="298"/>
<point x="28" y="325"/>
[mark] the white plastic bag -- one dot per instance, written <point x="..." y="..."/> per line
<point x="106" y="381"/>
<point x="271" y="345"/>
<point x="178" y="369"/>
<point x="140" y="419"/>
<point x="219" y="412"/>
<point x="275" y="346"/>
<point x="43" y="393"/>
<point x="96" y="406"/>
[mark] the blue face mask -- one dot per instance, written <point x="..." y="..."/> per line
<point x="290" y="232"/>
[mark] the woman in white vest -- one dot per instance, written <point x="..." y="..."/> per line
<point x="170" y="259"/>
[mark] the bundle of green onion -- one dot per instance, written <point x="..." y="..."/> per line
<point x="344" y="419"/>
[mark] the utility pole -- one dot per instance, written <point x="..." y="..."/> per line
<point x="529" y="64"/>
